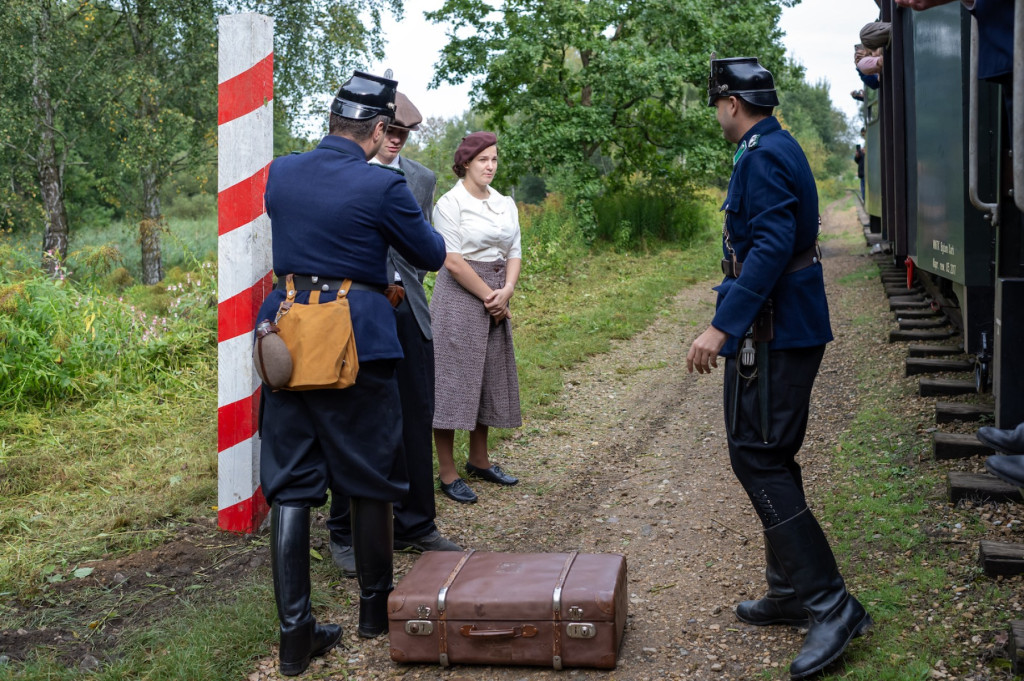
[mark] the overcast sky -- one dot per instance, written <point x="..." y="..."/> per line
<point x="820" y="34"/>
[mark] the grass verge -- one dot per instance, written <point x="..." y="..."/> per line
<point x="906" y="552"/>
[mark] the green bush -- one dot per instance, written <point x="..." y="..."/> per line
<point x="638" y="219"/>
<point x="183" y="243"/>
<point x="194" y="207"/>
<point x="552" y="238"/>
<point x="61" y="339"/>
<point x="833" y="188"/>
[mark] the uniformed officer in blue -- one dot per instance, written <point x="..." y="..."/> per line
<point x="771" y="325"/>
<point x="347" y="440"/>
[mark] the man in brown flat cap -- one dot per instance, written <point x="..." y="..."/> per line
<point x="414" y="515"/>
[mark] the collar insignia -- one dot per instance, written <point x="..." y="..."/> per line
<point x="739" y="152"/>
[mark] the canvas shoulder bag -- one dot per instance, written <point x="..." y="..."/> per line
<point x="319" y="338"/>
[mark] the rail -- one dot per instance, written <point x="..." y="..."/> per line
<point x="1018" y="105"/>
<point x="992" y="209"/>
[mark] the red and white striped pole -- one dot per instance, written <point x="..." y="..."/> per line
<point x="245" y="142"/>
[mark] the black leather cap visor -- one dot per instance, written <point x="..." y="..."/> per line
<point x="364" y="96"/>
<point x="741" y="77"/>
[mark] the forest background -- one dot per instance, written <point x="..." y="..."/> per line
<point x="108" y="107"/>
<point x="108" y="225"/>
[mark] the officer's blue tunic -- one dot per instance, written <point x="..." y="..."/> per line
<point x="772" y="214"/>
<point x="333" y="215"/>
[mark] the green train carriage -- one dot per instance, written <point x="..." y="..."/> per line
<point x="939" y="184"/>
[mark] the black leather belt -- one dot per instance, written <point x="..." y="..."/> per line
<point x="309" y="283"/>
<point x="801" y="260"/>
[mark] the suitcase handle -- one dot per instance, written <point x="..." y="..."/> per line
<point x="525" y="631"/>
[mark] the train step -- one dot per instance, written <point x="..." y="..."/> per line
<point x="926" y="365"/>
<point x="930" y="350"/>
<point x="918" y="313"/>
<point x="919" y="335"/>
<point x="1015" y="647"/>
<point x="901" y="290"/>
<point x="958" y="446"/>
<point x="942" y="387"/>
<point x="916" y="302"/>
<point x="947" y="412"/>
<point x="980" y="487"/>
<point x="1001" y="558"/>
<point x="933" y="323"/>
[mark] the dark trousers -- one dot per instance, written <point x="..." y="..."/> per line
<point x="768" y="471"/>
<point x="415" y="512"/>
<point x="346" y="440"/>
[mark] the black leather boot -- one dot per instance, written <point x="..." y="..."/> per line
<point x="835" y="616"/>
<point x="780" y="605"/>
<point x="301" y="637"/>
<point x="373" y="539"/>
<point x="1006" y="440"/>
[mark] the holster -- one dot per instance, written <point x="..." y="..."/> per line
<point x="764" y="324"/>
<point x="395" y="294"/>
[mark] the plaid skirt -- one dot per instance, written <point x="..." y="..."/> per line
<point x="474" y="361"/>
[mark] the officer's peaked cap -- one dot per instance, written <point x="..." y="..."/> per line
<point x="741" y="77"/>
<point x="364" y="96"/>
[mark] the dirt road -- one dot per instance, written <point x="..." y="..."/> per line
<point x="638" y="464"/>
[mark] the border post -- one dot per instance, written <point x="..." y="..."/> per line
<point x="245" y="148"/>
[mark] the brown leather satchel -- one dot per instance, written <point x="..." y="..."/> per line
<point x="320" y="339"/>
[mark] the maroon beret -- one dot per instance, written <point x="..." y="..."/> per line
<point x="471" y="145"/>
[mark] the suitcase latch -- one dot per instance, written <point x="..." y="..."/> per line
<point x="419" y="627"/>
<point x="580" y="630"/>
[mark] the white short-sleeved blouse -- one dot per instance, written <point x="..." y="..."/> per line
<point x="483" y="230"/>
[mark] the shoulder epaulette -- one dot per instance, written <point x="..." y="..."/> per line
<point x="755" y="140"/>
<point x="393" y="169"/>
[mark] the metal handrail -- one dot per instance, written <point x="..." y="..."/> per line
<point x="1018" y="105"/>
<point x="972" y="166"/>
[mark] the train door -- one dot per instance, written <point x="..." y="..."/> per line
<point x="1008" y="374"/>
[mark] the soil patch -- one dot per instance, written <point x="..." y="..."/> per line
<point x="130" y="591"/>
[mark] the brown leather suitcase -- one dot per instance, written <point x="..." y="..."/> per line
<point x="551" y="609"/>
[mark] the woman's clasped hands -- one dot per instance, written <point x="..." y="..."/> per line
<point x="496" y="304"/>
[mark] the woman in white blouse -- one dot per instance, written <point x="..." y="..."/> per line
<point x="476" y="384"/>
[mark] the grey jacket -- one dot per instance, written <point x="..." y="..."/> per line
<point x="422" y="182"/>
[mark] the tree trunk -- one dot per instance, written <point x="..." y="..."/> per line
<point x="48" y="165"/>
<point x="51" y="187"/>
<point x="139" y="26"/>
<point x="150" y="228"/>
